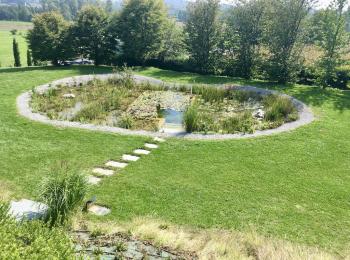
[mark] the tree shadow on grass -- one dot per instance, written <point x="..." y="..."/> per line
<point x="85" y="69"/>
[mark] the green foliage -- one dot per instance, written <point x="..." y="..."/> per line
<point x="16" y="54"/>
<point x="279" y="109"/>
<point x="141" y="27"/>
<point x="245" y="32"/>
<point x="92" y="35"/>
<point x="29" y="59"/>
<point x="49" y="38"/>
<point x="64" y="193"/>
<point x="282" y="35"/>
<point x="333" y="39"/>
<point x="190" y="119"/>
<point x="126" y="121"/>
<point x="239" y="123"/>
<point x="204" y="33"/>
<point x="210" y="94"/>
<point x="32" y="240"/>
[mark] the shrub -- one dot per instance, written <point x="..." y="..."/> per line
<point x="126" y="121"/>
<point x="279" y="108"/>
<point x="210" y="94"/>
<point x="240" y="123"/>
<point x="64" y="192"/>
<point x="32" y="239"/>
<point x="191" y="119"/>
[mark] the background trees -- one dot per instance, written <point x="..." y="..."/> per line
<point x="332" y="40"/>
<point x="16" y="54"/>
<point x="91" y="35"/>
<point x="203" y="31"/>
<point x="48" y="38"/>
<point x="255" y="38"/>
<point x="142" y="28"/>
<point x="245" y="28"/>
<point x="282" y="37"/>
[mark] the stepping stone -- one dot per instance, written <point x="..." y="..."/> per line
<point x="104" y="172"/>
<point x="27" y="210"/>
<point x="99" y="210"/>
<point x="114" y="164"/>
<point x="69" y="95"/>
<point x="131" y="158"/>
<point x="93" y="180"/>
<point x="151" y="146"/>
<point x="141" y="151"/>
<point x="158" y="139"/>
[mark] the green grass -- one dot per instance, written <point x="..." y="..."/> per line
<point x="293" y="186"/>
<point x="6" y="54"/>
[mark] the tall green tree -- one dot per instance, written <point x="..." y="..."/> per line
<point x="283" y="37"/>
<point x="29" y="58"/>
<point x="141" y="27"/>
<point x="16" y="54"/>
<point x="332" y="41"/>
<point x="92" y="36"/>
<point x="203" y="30"/>
<point x="245" y="28"/>
<point x="49" y="38"/>
<point x="174" y="42"/>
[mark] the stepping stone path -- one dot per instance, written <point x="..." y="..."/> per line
<point x="141" y="152"/>
<point x="130" y="158"/>
<point x="94" y="180"/>
<point x="151" y="146"/>
<point x="114" y="164"/>
<point x="99" y="210"/>
<point x="103" y="172"/>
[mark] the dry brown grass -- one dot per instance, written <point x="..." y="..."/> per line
<point x="213" y="243"/>
<point x="5" y="191"/>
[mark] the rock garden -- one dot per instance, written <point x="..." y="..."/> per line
<point x="121" y="101"/>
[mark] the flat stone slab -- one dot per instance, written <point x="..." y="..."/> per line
<point x="104" y="172"/>
<point x="27" y="210"/>
<point x="151" y="146"/>
<point x="130" y="158"/>
<point x="93" y="180"/>
<point x="69" y="95"/>
<point x="158" y="139"/>
<point x="141" y="152"/>
<point x="114" y="164"/>
<point x="99" y="210"/>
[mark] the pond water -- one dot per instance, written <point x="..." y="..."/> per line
<point x="172" y="116"/>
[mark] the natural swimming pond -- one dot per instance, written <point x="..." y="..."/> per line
<point x="172" y="116"/>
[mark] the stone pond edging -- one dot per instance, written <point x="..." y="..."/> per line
<point x="24" y="109"/>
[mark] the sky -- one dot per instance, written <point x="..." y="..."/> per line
<point x="320" y="4"/>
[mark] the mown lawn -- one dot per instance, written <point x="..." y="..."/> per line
<point x="292" y="186"/>
<point x="6" y="53"/>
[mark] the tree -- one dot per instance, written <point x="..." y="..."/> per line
<point x="174" y="42"/>
<point x="141" y="28"/>
<point x="49" y="38"/>
<point x="282" y="37"/>
<point x="332" y="41"/>
<point x="16" y="54"/>
<point x="203" y="34"/>
<point x="93" y="38"/>
<point x="29" y="58"/>
<point x="245" y="28"/>
<point x="109" y="6"/>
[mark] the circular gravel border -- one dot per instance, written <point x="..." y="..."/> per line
<point x="23" y="105"/>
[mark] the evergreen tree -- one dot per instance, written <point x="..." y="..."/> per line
<point x="29" y="58"/>
<point x="16" y="54"/>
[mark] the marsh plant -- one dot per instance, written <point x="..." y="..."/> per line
<point x="63" y="193"/>
<point x="279" y="109"/>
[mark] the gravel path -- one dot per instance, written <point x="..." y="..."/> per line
<point x="24" y="109"/>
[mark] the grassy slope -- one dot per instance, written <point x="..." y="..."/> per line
<point x="6" y="54"/>
<point x="293" y="185"/>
